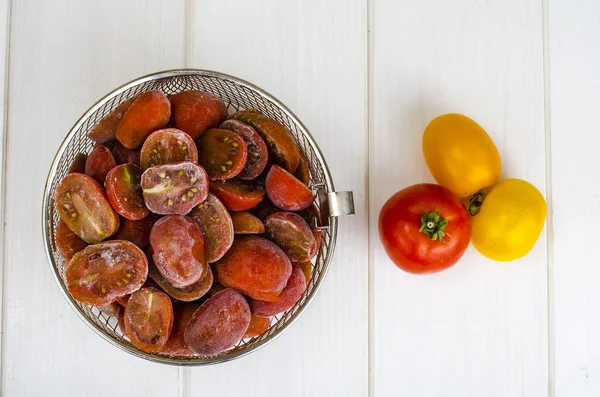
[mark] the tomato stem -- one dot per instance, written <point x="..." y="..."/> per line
<point x="475" y="203"/>
<point x="433" y="225"/>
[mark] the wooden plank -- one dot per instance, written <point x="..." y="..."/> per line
<point x="64" y="56"/>
<point x="480" y="328"/>
<point x="574" y="61"/>
<point x="312" y="56"/>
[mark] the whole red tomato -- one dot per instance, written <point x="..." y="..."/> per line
<point x="424" y="228"/>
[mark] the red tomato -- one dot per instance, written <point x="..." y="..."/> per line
<point x="424" y="228"/>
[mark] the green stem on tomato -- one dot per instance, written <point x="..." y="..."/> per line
<point x="433" y="225"/>
<point x="475" y="203"/>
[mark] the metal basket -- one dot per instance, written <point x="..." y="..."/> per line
<point x="237" y="94"/>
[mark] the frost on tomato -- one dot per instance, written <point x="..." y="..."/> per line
<point x="237" y="195"/>
<point x="123" y="155"/>
<point x="185" y="294"/>
<point x="222" y="153"/>
<point x="106" y="129"/>
<point x="149" y="319"/>
<point x="292" y="234"/>
<point x="215" y="222"/>
<point x="286" y="191"/>
<point x="254" y="266"/>
<point x="218" y="324"/>
<point x="292" y="292"/>
<point x="101" y="273"/>
<point x="99" y="163"/>
<point x="174" y="189"/>
<point x="177" y="245"/>
<point x="82" y="205"/>
<point x="125" y="193"/>
<point x="196" y="111"/>
<point x="168" y="145"/>
<point x="149" y="112"/>
<point x="67" y="242"/>
<point x="258" y="154"/>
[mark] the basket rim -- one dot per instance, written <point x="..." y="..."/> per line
<point x="46" y="214"/>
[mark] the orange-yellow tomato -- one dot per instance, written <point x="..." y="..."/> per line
<point x="460" y="154"/>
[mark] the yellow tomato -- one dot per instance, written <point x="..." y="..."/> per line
<point x="510" y="221"/>
<point x="460" y="154"/>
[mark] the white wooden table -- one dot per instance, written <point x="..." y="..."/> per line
<point x="365" y="76"/>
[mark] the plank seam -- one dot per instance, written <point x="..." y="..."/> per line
<point x="549" y="205"/>
<point x="4" y="173"/>
<point x="369" y="156"/>
<point x="188" y="33"/>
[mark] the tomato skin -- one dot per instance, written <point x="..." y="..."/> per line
<point x="460" y="154"/>
<point x="510" y="221"/>
<point x="409" y="248"/>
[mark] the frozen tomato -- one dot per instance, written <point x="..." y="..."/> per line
<point x="292" y="234"/>
<point x="258" y="154"/>
<point x="254" y="266"/>
<point x="124" y="191"/>
<point x="101" y="273"/>
<point x="67" y="242"/>
<point x="292" y="292"/>
<point x="106" y="129"/>
<point x="137" y="232"/>
<point x="122" y="300"/>
<point x="123" y="155"/>
<point x="287" y="192"/>
<point x="258" y="325"/>
<point x="149" y="112"/>
<point x="78" y="164"/>
<point x="149" y="319"/>
<point x="283" y="150"/>
<point x="99" y="163"/>
<point x="215" y="222"/>
<point x="83" y="206"/>
<point x="307" y="268"/>
<point x="237" y="195"/>
<point x="246" y="223"/>
<point x="222" y="153"/>
<point x="174" y="188"/>
<point x="218" y="324"/>
<point x="112" y="309"/>
<point x="177" y="245"/>
<point x="168" y="145"/>
<point x="185" y="294"/>
<point x="303" y="171"/>
<point x="175" y="345"/>
<point x="196" y="111"/>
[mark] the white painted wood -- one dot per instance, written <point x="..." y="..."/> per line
<point x="480" y="328"/>
<point x="312" y="56"/>
<point x="64" y="56"/>
<point x="4" y="33"/>
<point x="574" y="62"/>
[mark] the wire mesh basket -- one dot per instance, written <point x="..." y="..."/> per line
<point x="237" y="94"/>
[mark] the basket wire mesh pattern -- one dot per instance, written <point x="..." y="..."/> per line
<point x="237" y="94"/>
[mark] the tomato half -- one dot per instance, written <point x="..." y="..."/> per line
<point x="510" y="221"/>
<point x="460" y="154"/>
<point x="424" y="228"/>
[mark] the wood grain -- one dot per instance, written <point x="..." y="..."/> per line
<point x="312" y="56"/>
<point x="480" y="328"/>
<point x="64" y="56"/>
<point x="574" y="61"/>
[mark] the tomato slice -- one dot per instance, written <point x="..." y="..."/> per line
<point x="283" y="150"/>
<point x="246" y="223"/>
<point x="106" y="129"/>
<point x="215" y="222"/>
<point x="292" y="292"/>
<point x="83" y="206"/>
<point x="168" y="145"/>
<point x="125" y="193"/>
<point x="303" y="171"/>
<point x="174" y="189"/>
<point x="196" y="111"/>
<point x="67" y="242"/>
<point x="292" y="234"/>
<point x="137" y="232"/>
<point x="258" y="154"/>
<point x="177" y="245"/>
<point x="123" y="155"/>
<point x="101" y="273"/>
<point x="254" y="266"/>
<point x="78" y="164"/>
<point x="149" y="112"/>
<point x="175" y="345"/>
<point x="99" y="163"/>
<point x="218" y="324"/>
<point x="186" y="294"/>
<point x="286" y="191"/>
<point x="237" y="195"/>
<point x="149" y="319"/>
<point x="258" y="326"/>
<point x="222" y="153"/>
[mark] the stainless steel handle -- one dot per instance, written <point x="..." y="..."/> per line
<point x="340" y="203"/>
